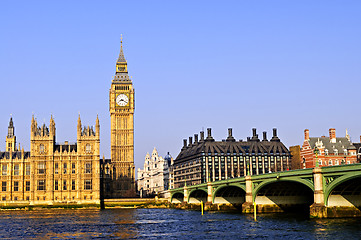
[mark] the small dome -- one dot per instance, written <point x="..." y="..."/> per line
<point x="168" y="157"/>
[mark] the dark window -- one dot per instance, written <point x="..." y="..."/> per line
<point x="88" y="167"/>
<point x="73" y="168"/>
<point x="41" y="185"/>
<point x="72" y="184"/>
<point x="56" y="185"/>
<point x="64" y="185"/>
<point x="64" y="168"/>
<point x="88" y="184"/>
<point x="4" y="186"/>
<point x="16" y="186"/>
<point x="27" y="186"/>
<point x="56" y="166"/>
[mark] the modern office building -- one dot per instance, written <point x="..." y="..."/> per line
<point x="205" y="159"/>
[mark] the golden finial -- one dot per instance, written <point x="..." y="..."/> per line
<point x="121" y="38"/>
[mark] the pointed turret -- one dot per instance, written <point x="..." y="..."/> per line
<point x="33" y="127"/>
<point x="121" y="58"/>
<point x="11" y="128"/>
<point x="121" y="72"/>
<point x="97" y="127"/>
<point x="10" y="138"/>
<point x="121" y="62"/>
<point x="79" y="127"/>
<point x="347" y="136"/>
<point x="52" y="126"/>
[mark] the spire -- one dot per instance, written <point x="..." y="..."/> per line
<point x="121" y="58"/>
<point x="97" y="127"/>
<point x="347" y="136"/>
<point x="11" y="128"/>
<point x="97" y="121"/>
<point x="79" y="120"/>
<point x="11" y="123"/>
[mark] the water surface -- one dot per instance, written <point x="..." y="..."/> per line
<point x="169" y="224"/>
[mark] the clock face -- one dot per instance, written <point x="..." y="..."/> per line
<point x="122" y="100"/>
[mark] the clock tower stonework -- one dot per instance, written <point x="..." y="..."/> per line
<point x="121" y="108"/>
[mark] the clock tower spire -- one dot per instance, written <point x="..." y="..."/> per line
<point x="121" y="108"/>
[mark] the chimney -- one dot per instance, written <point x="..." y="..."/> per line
<point x="255" y="136"/>
<point x="190" y="141"/>
<point x="230" y="138"/>
<point x="184" y="143"/>
<point x="332" y="135"/>
<point x="307" y="134"/>
<point x="209" y="133"/>
<point x="264" y="136"/>
<point x="275" y="138"/>
<point x="195" y="138"/>
<point x="202" y="135"/>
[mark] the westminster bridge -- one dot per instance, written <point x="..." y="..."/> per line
<point x="333" y="191"/>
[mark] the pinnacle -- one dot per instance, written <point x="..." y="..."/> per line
<point x="121" y="57"/>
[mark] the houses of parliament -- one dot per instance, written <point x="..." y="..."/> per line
<point x="54" y="172"/>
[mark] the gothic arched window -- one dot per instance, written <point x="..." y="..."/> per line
<point x="41" y="148"/>
<point x="88" y="148"/>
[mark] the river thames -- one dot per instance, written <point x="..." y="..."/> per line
<point x="168" y="224"/>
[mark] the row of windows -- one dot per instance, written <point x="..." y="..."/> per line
<point x="16" y="169"/>
<point x="41" y="185"/>
<point x="87" y="185"/>
<point x="42" y="170"/>
<point x="15" y="186"/>
<point x="122" y="87"/>
<point x="43" y="198"/>
<point x="335" y="162"/>
<point x="88" y="148"/>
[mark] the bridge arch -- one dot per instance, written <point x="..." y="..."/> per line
<point x="177" y="197"/>
<point x="290" y="194"/>
<point x="230" y="194"/>
<point x="197" y="195"/>
<point x="304" y="182"/>
<point x="344" y="191"/>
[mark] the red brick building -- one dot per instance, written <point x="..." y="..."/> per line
<point x="328" y="151"/>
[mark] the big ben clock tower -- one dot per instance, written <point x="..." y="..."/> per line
<point x="121" y="107"/>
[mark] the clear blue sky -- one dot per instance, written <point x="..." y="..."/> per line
<point x="195" y="64"/>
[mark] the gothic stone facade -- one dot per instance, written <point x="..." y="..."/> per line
<point x="209" y="160"/>
<point x="51" y="172"/>
<point x="121" y="178"/>
<point x="327" y="151"/>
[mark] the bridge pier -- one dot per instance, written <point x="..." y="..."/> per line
<point x="318" y="208"/>
<point x="185" y="197"/>
<point x="247" y="206"/>
<point x="209" y="192"/>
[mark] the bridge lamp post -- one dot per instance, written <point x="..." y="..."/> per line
<point x="316" y="151"/>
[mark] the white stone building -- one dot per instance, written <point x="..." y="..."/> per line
<point x="154" y="177"/>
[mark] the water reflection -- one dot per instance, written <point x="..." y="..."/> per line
<point x="168" y="224"/>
